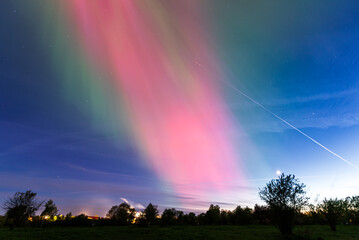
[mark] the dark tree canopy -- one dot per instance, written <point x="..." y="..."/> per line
<point x="261" y="214"/>
<point x="284" y="192"/>
<point x="190" y="218"/>
<point x="151" y="213"/>
<point x="353" y="202"/>
<point x="213" y="214"/>
<point x="171" y="216"/>
<point x="353" y="209"/>
<point x="50" y="209"/>
<point x="243" y="216"/>
<point x="333" y="210"/>
<point x="225" y="217"/>
<point x="123" y="214"/>
<point x="179" y="217"/>
<point x="285" y="197"/>
<point x="20" y="207"/>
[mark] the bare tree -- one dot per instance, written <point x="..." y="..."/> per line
<point x="20" y="207"/>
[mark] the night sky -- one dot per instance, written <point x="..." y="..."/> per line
<point x="165" y="101"/>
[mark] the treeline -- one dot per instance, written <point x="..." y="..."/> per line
<point x="286" y="206"/>
<point x="339" y="211"/>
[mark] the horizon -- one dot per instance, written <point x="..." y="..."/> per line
<point x="179" y="103"/>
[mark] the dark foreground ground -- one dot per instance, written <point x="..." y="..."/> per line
<point x="174" y="233"/>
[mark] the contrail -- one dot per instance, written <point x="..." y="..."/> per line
<point x="290" y="125"/>
<point x="281" y="119"/>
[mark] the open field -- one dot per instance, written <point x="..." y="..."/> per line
<point x="173" y="233"/>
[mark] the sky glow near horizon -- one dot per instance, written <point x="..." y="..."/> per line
<point x="107" y="101"/>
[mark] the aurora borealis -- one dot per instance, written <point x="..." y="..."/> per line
<point x="153" y="57"/>
<point x="103" y="100"/>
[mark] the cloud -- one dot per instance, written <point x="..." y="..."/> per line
<point x="125" y="200"/>
<point x="137" y="206"/>
<point x="105" y="173"/>
<point x="312" y="98"/>
<point x="305" y="121"/>
<point x="324" y="110"/>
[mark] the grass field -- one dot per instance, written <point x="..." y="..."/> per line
<point x="176" y="233"/>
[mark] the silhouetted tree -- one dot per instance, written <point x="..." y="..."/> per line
<point x="66" y="220"/>
<point x="225" y="217"/>
<point x="285" y="196"/>
<point x="190" y="219"/>
<point x="261" y="214"/>
<point x="213" y="215"/>
<point x="50" y="209"/>
<point x="150" y="214"/>
<point x="20" y="207"/>
<point x="169" y="216"/>
<point x="314" y="216"/>
<point x="80" y="221"/>
<point x="202" y="220"/>
<point x="2" y="221"/>
<point x="354" y="202"/>
<point x="353" y="209"/>
<point x="243" y="216"/>
<point x="179" y="217"/>
<point x="122" y="214"/>
<point x="141" y="221"/>
<point x="333" y="210"/>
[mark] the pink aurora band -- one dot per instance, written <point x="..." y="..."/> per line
<point x="176" y="115"/>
